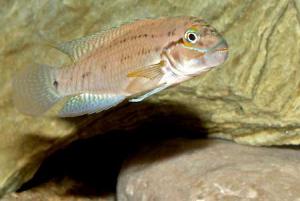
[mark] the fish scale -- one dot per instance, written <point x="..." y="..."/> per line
<point x="133" y="61"/>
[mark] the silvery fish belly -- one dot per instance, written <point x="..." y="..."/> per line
<point x="131" y="62"/>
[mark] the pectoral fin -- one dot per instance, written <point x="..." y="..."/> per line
<point x="150" y="72"/>
<point x="148" y="94"/>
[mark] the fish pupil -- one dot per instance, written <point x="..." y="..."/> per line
<point x="192" y="37"/>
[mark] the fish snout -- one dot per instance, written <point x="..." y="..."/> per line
<point x="218" y="54"/>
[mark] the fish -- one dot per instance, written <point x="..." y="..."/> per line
<point x="128" y="63"/>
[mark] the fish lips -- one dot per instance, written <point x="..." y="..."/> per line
<point x="218" y="55"/>
<point x="215" y="55"/>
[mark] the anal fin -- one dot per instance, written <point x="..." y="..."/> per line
<point x="88" y="103"/>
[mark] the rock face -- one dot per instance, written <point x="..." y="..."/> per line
<point x="212" y="170"/>
<point x="252" y="99"/>
<point x="54" y="191"/>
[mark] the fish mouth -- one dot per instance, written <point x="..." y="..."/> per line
<point x="218" y="54"/>
<point x="214" y="56"/>
<point x="223" y="49"/>
<point x="221" y="53"/>
<point x="221" y="46"/>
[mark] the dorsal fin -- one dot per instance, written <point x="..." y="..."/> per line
<point x="80" y="47"/>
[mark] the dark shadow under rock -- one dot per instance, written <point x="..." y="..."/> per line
<point x="92" y="165"/>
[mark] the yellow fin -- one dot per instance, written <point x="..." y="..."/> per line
<point x="150" y="72"/>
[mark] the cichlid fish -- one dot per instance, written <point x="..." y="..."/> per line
<point x="133" y="62"/>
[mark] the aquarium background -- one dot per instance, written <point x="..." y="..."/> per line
<point x="252" y="99"/>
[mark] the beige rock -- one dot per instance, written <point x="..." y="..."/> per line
<point x="252" y="99"/>
<point x="55" y="191"/>
<point x="210" y="170"/>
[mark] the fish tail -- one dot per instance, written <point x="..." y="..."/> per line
<point x="34" y="90"/>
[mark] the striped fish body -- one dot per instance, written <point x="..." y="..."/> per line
<point x="127" y="49"/>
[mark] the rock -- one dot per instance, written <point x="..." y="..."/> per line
<point x="54" y="191"/>
<point x="196" y="170"/>
<point x="252" y="99"/>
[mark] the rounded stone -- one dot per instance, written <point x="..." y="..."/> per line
<point x="210" y="170"/>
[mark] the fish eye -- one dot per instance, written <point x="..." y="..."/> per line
<point x="191" y="36"/>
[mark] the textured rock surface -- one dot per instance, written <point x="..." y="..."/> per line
<point x="253" y="98"/>
<point x="54" y="191"/>
<point x="210" y="170"/>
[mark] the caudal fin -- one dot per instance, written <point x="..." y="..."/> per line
<point x="33" y="90"/>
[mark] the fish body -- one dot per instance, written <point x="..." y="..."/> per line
<point x="131" y="62"/>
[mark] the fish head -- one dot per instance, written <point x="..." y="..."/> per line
<point x="199" y="49"/>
